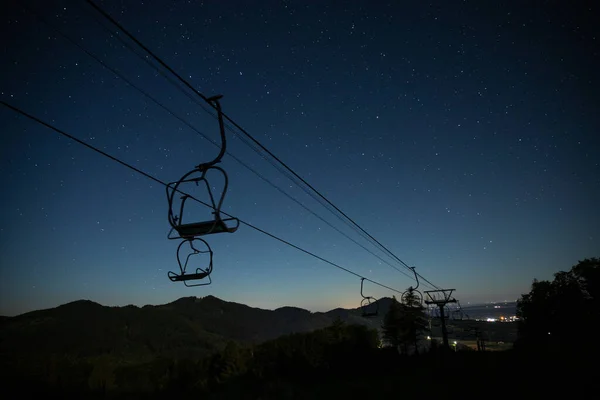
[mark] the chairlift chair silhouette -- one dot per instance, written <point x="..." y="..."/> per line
<point x="417" y="296"/>
<point x="367" y="302"/>
<point x="181" y="230"/>
<point x="200" y="273"/>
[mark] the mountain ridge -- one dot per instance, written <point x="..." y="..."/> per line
<point x="186" y="327"/>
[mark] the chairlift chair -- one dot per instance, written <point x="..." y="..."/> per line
<point x="181" y="230"/>
<point x="200" y="273"/>
<point x="367" y="302"/>
<point x="413" y="291"/>
<point x="201" y="228"/>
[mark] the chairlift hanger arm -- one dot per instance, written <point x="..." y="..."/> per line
<point x="416" y="278"/>
<point x="367" y="301"/>
<point x="362" y="280"/>
<point x="215" y="101"/>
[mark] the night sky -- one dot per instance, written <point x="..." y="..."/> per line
<point x="462" y="135"/>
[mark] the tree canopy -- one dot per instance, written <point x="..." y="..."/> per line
<point x="404" y="323"/>
<point x="554" y="311"/>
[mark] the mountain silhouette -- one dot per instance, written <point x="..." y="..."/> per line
<point x="186" y="327"/>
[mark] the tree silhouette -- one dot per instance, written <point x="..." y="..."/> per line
<point x="414" y="320"/>
<point x="403" y="325"/>
<point x="587" y="272"/>
<point x="392" y="329"/>
<point x="546" y="311"/>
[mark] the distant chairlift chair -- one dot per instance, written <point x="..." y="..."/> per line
<point x="367" y="303"/>
<point x="413" y="292"/>
<point x="200" y="273"/>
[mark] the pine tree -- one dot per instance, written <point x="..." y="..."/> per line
<point x="391" y="327"/>
<point x="404" y="323"/>
<point x="414" y="320"/>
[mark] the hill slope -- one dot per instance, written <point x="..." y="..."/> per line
<point x="187" y="327"/>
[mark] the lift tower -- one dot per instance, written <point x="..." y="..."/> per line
<point x="440" y="298"/>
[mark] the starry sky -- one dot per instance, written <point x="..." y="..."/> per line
<point x="462" y="135"/>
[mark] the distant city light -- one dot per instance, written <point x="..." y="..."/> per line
<point x="512" y="318"/>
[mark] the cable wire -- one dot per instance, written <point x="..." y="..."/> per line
<point x="252" y="146"/>
<point x="147" y="175"/>
<point x="247" y="134"/>
<point x="151" y="98"/>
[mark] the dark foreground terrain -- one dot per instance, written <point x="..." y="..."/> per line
<point x="213" y="349"/>
<point x="339" y="361"/>
<point x="345" y="373"/>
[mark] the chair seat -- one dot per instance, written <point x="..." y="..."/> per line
<point x="188" y="277"/>
<point x="202" y="228"/>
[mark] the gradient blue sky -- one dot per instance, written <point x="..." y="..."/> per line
<point x="463" y="136"/>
